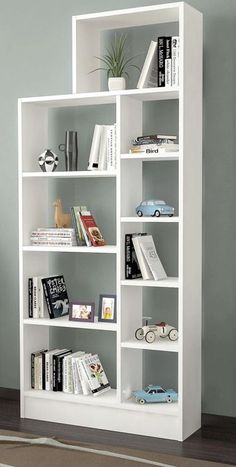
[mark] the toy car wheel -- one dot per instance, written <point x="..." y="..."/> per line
<point x="139" y="213"/>
<point x="150" y="337"/>
<point x="173" y="335"/>
<point x="170" y="215"/>
<point x="157" y="213"/>
<point x="139" y="334"/>
<point x="169" y="400"/>
<point x="142" y="401"/>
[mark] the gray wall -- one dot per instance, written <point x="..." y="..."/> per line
<point x="35" y="57"/>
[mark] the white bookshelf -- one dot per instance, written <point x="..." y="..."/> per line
<point x="115" y="410"/>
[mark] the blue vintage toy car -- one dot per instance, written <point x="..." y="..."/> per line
<point x="155" y="394"/>
<point x="155" y="208"/>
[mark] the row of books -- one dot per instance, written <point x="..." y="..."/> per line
<point x="161" y="66"/>
<point x="154" y="144"/>
<point x="47" y="296"/>
<point x="71" y="373"/>
<point x="141" y="258"/>
<point x="53" y="237"/>
<point x="103" y="148"/>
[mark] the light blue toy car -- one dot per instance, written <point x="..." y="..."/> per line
<point x="155" y="394"/>
<point x="155" y="208"/>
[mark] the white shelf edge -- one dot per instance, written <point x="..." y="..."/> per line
<point x="75" y="174"/>
<point x="171" y="282"/>
<point x="153" y="220"/>
<point x="127" y="11"/>
<point x="107" y="249"/>
<point x="167" y="156"/>
<point x="164" y="345"/>
<point x="64" y="322"/>
<point x="108" y="399"/>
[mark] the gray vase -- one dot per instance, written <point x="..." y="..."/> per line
<point x="70" y="149"/>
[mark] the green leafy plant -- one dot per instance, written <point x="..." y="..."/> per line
<point x="115" y="60"/>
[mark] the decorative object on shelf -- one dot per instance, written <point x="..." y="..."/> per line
<point x="62" y="219"/>
<point x="70" y="149"/>
<point x="116" y="63"/>
<point x="48" y="161"/>
<point x="154" y="208"/>
<point x="151" y="332"/>
<point x="153" y="393"/>
<point x="107" y="308"/>
<point x="82" y="311"/>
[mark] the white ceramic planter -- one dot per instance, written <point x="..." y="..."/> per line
<point x="116" y="84"/>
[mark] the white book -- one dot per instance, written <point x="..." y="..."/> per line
<point x="148" y="76"/>
<point x="95" y="374"/>
<point x="82" y="375"/>
<point x="43" y="311"/>
<point x="102" y="158"/>
<point x="48" y="368"/>
<point x="38" y="372"/>
<point x="144" y="267"/>
<point x="94" y="151"/>
<point x="149" y="251"/>
<point x="68" y="384"/>
<point x="175" y="61"/>
<point x="35" y="298"/>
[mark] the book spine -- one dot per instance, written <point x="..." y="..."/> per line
<point x="161" y="61"/>
<point x="76" y="378"/>
<point x="59" y="374"/>
<point x="30" y="298"/>
<point x="33" y="371"/>
<point x="44" y="370"/>
<point x="65" y="374"/>
<point x="168" y="62"/>
<point x="114" y="147"/>
<point x="47" y="372"/>
<point x="41" y="298"/>
<point x="128" y="265"/>
<point x="54" y="373"/>
<point x="47" y="299"/>
<point x="175" y="61"/>
<point x="74" y="220"/>
<point x="110" y="138"/>
<point x="35" y="298"/>
<point x="38" y="372"/>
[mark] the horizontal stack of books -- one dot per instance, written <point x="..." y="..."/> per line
<point x="154" y="144"/>
<point x="161" y="66"/>
<point x="47" y="296"/>
<point x="53" y="237"/>
<point x="71" y="373"/>
<point x="103" y="148"/>
<point x="86" y="230"/>
<point x="141" y="258"/>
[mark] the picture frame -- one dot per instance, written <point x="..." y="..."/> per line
<point x="107" y="308"/>
<point x="82" y="312"/>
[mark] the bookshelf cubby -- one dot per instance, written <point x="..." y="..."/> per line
<point x="113" y="196"/>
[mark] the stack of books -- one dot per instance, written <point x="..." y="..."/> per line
<point x="103" y="148"/>
<point x="53" y="237"/>
<point x="86" y="230"/>
<point x="47" y="296"/>
<point x="161" y="66"/>
<point x="141" y="258"/>
<point x="60" y="370"/>
<point x="150" y="145"/>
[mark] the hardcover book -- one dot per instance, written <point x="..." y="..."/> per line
<point x="92" y="229"/>
<point x="161" y="54"/>
<point x="149" y="251"/>
<point x="148" y="76"/>
<point x="56" y="296"/>
<point x="132" y="269"/>
<point x="95" y="374"/>
<point x="76" y="210"/>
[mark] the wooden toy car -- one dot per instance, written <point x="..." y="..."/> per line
<point x="150" y="332"/>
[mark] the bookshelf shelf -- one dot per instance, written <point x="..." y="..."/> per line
<point x="178" y="181"/>
<point x="64" y="322"/>
<point x="163" y="345"/>
<point x="66" y="175"/>
<point x="107" y="249"/>
<point x="170" y="282"/>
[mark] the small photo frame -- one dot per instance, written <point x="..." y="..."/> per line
<point x="82" y="311"/>
<point x="107" y="308"/>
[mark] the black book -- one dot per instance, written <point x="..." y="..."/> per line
<point x="60" y="360"/>
<point x="55" y="360"/>
<point x="30" y="297"/>
<point x="43" y="370"/>
<point x="168" y="61"/>
<point x="161" y="55"/>
<point x="132" y="269"/>
<point x="56" y="296"/>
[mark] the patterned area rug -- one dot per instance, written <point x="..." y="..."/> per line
<point x="23" y="450"/>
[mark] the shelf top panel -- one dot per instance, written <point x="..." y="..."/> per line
<point x="164" y="345"/>
<point x="77" y="174"/>
<point x="71" y="249"/>
<point x="171" y="282"/>
<point x="103" y="97"/>
<point x="130" y="17"/>
<point x="65" y="323"/>
<point x="168" y="156"/>
<point x="153" y="220"/>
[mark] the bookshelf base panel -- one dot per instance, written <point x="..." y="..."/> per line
<point x="104" y="418"/>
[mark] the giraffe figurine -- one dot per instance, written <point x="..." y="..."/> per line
<point x="62" y="219"/>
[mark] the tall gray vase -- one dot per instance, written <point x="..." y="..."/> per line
<point x="70" y="149"/>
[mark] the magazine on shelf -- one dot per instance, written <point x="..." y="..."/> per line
<point x="95" y="374"/>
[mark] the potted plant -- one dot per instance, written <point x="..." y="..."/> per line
<point x="115" y="63"/>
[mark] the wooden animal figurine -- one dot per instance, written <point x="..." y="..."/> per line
<point x="62" y="219"/>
